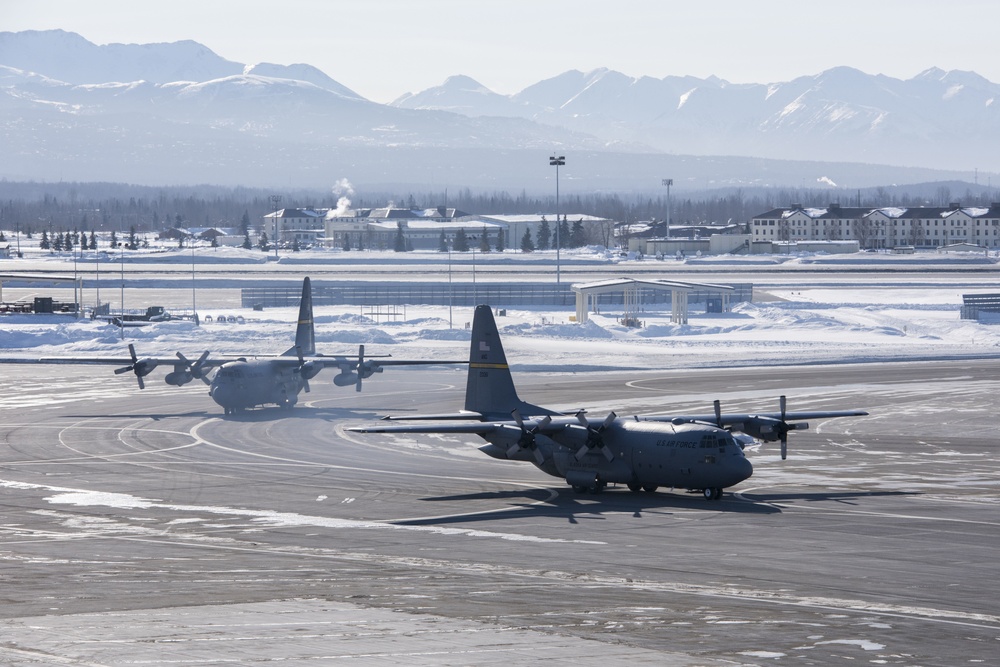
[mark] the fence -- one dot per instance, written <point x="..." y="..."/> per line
<point x="456" y="294"/>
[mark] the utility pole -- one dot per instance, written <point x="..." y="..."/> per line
<point x="557" y="162"/>
<point x="275" y="200"/>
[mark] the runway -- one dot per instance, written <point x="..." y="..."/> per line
<point x="144" y="528"/>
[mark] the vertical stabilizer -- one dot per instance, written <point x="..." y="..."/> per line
<point x="490" y="387"/>
<point x="305" y="334"/>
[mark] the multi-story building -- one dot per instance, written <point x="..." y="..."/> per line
<point x="294" y="224"/>
<point x="888" y="227"/>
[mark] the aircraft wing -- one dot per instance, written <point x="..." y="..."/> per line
<point x="110" y="361"/>
<point x="469" y="427"/>
<point x="736" y="419"/>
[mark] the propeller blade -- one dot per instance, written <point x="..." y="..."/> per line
<point x="608" y="454"/>
<point x="361" y="364"/>
<point x="539" y="457"/>
<point x="784" y="446"/>
<point x="142" y="385"/>
<point x="119" y="371"/>
<point x="580" y="453"/>
<point x="718" y="412"/>
<point x="781" y="403"/>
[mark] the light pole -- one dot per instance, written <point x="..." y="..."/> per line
<point x="275" y="200"/>
<point x="668" y="182"/>
<point x="557" y="162"/>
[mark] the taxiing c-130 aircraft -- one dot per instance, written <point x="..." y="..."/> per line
<point x="696" y="452"/>
<point x="240" y="382"/>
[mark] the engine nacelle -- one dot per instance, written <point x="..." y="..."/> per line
<point x="309" y="370"/>
<point x="366" y="370"/>
<point x="345" y="379"/>
<point x="178" y="378"/>
<point x="144" y="367"/>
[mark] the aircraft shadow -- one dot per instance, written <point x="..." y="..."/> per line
<point x="571" y="506"/>
<point x="849" y="497"/>
<point x="304" y="412"/>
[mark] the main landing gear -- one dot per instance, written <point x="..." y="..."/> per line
<point x="597" y="487"/>
<point x="712" y="494"/>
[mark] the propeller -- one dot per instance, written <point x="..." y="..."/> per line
<point x="594" y="439"/>
<point x="527" y="438"/>
<point x="301" y="368"/>
<point x="718" y="412"/>
<point x="361" y="364"/>
<point x="196" y="369"/>
<point x="365" y="368"/>
<point x="769" y="428"/>
<point x="783" y="428"/>
<point x="141" y="367"/>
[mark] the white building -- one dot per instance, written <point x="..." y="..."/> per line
<point x="889" y="227"/>
<point x="294" y="224"/>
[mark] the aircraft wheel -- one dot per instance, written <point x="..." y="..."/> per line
<point x="712" y="494"/>
<point x="598" y="487"/>
<point x="634" y="486"/>
<point x="718" y="494"/>
<point x="649" y="488"/>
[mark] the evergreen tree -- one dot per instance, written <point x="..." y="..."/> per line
<point x="262" y="242"/>
<point x="400" y="243"/>
<point x="526" y="243"/>
<point x="347" y="242"/>
<point x="563" y="233"/>
<point x="83" y="241"/>
<point x="133" y="243"/>
<point x="442" y="242"/>
<point x="180" y="241"/>
<point x="245" y="223"/>
<point x="68" y="241"/>
<point x="544" y="235"/>
<point x="57" y="242"/>
<point x="500" y="244"/>
<point x="461" y="241"/>
<point x="114" y="239"/>
<point x="247" y="243"/>
<point x="295" y="244"/>
<point x="484" y="241"/>
<point x="93" y="240"/>
<point x="577" y="237"/>
<point x="43" y="243"/>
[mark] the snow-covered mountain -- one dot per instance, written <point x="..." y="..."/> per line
<point x="936" y="119"/>
<point x="179" y="113"/>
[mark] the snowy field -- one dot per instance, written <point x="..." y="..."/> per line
<point x="893" y="320"/>
<point x="798" y="327"/>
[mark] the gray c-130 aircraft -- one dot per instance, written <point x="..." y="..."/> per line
<point x="694" y="452"/>
<point x="240" y="382"/>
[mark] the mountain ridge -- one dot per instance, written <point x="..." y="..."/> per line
<point x="74" y="107"/>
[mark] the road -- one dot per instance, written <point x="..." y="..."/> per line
<point x="143" y="528"/>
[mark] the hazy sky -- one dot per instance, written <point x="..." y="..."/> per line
<point x="384" y="48"/>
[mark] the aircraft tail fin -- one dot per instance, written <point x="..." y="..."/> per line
<point x="305" y="333"/>
<point x="490" y="388"/>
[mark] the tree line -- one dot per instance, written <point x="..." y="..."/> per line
<point x="87" y="207"/>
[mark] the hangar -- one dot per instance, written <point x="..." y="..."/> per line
<point x="587" y="294"/>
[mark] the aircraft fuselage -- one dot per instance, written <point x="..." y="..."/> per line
<point x="239" y="385"/>
<point x="644" y="454"/>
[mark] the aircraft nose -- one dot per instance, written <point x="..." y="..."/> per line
<point x="744" y="469"/>
<point x="221" y="394"/>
